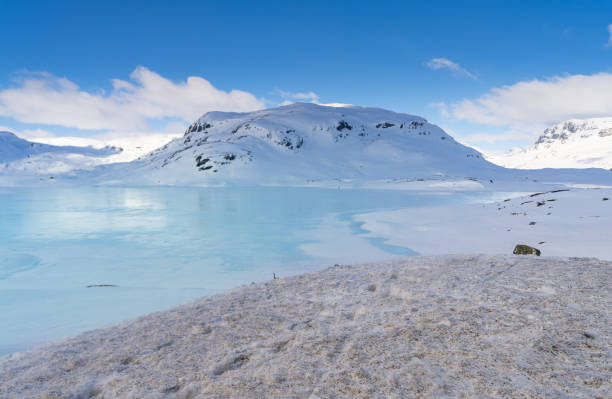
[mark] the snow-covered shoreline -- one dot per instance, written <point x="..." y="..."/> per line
<point x="560" y="222"/>
<point x="446" y="326"/>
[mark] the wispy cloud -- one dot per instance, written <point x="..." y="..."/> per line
<point x="444" y="63"/>
<point x="492" y="138"/>
<point x="290" y="97"/>
<point x="530" y="105"/>
<point x="609" y="43"/>
<point x="46" y="99"/>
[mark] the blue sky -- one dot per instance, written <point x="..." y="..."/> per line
<point x="434" y="59"/>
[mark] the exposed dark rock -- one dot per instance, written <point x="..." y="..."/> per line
<point x="229" y="157"/>
<point x="201" y="161"/>
<point x="343" y="125"/>
<point x="384" y="125"/>
<point x="522" y="249"/>
<point x="415" y="124"/>
<point x="548" y="192"/>
<point x="287" y="142"/>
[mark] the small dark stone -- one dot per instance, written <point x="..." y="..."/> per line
<point x="171" y="389"/>
<point x="588" y="335"/>
<point x="522" y="249"/>
<point x="532" y="223"/>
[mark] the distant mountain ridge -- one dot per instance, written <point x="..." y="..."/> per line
<point x="304" y="142"/>
<point x="576" y="143"/>
<point x="18" y="155"/>
<point x="13" y="148"/>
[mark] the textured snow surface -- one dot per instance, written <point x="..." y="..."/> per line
<point x="444" y="327"/>
<point x="577" y="143"/>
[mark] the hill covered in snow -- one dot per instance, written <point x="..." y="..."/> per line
<point x="577" y="143"/>
<point x="304" y="143"/>
<point x="19" y="156"/>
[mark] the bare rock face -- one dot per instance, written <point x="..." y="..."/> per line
<point x="421" y="327"/>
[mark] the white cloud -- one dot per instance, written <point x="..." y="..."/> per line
<point x="290" y="98"/>
<point x="535" y="104"/>
<point x="444" y="63"/>
<point x="609" y="44"/>
<point x="50" y="100"/>
<point x="28" y="134"/>
<point x="493" y="138"/>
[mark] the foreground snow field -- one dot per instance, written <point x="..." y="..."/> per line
<point x="561" y="222"/>
<point x="451" y="326"/>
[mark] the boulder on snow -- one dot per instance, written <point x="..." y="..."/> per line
<point x="522" y="249"/>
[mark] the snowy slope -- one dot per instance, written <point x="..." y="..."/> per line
<point x="19" y="156"/>
<point x="302" y="143"/>
<point x="577" y="143"/>
<point x="132" y="145"/>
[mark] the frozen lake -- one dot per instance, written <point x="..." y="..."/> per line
<point x="159" y="247"/>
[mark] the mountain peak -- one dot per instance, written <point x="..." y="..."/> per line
<point x="575" y="143"/>
<point x="576" y="129"/>
<point x="305" y="142"/>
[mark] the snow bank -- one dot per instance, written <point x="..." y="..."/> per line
<point x="572" y="222"/>
<point x="452" y="326"/>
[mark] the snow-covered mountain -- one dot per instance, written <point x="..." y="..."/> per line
<point x="303" y="143"/>
<point x="577" y="143"/>
<point x="19" y="156"/>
